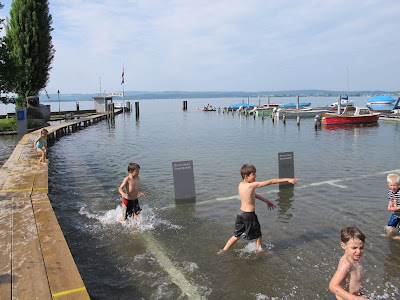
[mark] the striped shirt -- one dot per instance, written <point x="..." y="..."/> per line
<point x="395" y="196"/>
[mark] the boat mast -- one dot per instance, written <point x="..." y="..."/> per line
<point x="347" y="84"/>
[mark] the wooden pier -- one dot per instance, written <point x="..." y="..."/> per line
<point x="35" y="260"/>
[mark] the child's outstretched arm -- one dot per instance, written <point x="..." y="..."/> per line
<point x="274" y="181"/>
<point x="339" y="277"/>
<point x="269" y="203"/>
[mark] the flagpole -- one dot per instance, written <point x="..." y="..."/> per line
<point x="123" y="87"/>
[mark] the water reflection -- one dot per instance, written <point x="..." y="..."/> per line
<point x="392" y="261"/>
<point x="186" y="207"/>
<point x="349" y="127"/>
<point x="284" y="201"/>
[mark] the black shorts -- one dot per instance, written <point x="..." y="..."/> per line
<point x="132" y="207"/>
<point x="247" y="225"/>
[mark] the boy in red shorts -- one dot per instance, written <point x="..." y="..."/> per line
<point x="130" y="202"/>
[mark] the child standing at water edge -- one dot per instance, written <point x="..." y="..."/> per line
<point x="348" y="279"/>
<point x="393" y="181"/>
<point x="40" y="145"/>
<point x="130" y="202"/>
<point x="247" y="224"/>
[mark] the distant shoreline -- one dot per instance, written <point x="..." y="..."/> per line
<point x="144" y="95"/>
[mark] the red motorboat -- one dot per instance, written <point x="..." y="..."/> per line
<point x="350" y="115"/>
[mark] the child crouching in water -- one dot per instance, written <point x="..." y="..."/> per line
<point x="348" y="279"/>
<point x="130" y="202"/>
<point x="40" y="146"/>
<point x="393" y="181"/>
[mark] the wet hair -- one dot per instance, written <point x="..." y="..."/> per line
<point x="132" y="167"/>
<point x="393" y="178"/>
<point x="348" y="233"/>
<point x="44" y="130"/>
<point x="247" y="170"/>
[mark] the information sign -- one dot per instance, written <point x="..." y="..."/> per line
<point x="286" y="167"/>
<point x="183" y="179"/>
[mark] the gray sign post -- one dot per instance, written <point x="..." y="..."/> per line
<point x="286" y="167"/>
<point x="183" y="180"/>
<point x="22" y="122"/>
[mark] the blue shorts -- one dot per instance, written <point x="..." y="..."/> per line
<point x="394" y="221"/>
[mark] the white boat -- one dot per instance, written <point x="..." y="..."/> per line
<point x="307" y="112"/>
<point x="343" y="103"/>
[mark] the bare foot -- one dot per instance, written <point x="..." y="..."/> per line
<point x="121" y="219"/>
<point x="43" y="163"/>
<point x="221" y="251"/>
<point x="396" y="237"/>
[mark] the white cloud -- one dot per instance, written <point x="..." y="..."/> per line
<point x="224" y="45"/>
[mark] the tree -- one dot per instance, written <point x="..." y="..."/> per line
<point x="29" y="47"/>
<point x="3" y="53"/>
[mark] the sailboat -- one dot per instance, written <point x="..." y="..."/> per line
<point x="344" y="100"/>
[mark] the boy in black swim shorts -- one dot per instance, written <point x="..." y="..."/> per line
<point x="130" y="202"/>
<point x="247" y="224"/>
<point x="130" y="207"/>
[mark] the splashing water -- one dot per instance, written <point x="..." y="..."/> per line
<point x="147" y="219"/>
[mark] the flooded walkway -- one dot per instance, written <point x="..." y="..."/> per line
<point x="35" y="260"/>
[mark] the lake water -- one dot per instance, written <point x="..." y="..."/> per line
<point x="172" y="253"/>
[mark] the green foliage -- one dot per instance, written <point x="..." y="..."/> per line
<point x="10" y="124"/>
<point x="29" y="48"/>
<point x="34" y="124"/>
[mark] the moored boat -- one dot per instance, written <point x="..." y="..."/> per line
<point x="241" y="105"/>
<point x="381" y="103"/>
<point x="307" y="112"/>
<point x="294" y="105"/>
<point x="350" y="115"/>
<point x="343" y="103"/>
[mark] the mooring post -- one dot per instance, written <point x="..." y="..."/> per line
<point x="137" y="109"/>
<point x="284" y="119"/>
<point x="184" y="105"/>
<point x="298" y="120"/>
<point x="77" y="106"/>
<point x="317" y="121"/>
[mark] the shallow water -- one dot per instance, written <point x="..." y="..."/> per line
<point x="7" y="145"/>
<point x="172" y="253"/>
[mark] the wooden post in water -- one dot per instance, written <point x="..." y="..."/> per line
<point x="137" y="109"/>
<point x="77" y="106"/>
<point x="298" y="120"/>
<point x="284" y="119"/>
<point x="184" y="105"/>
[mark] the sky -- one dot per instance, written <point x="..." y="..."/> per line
<point x="227" y="45"/>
